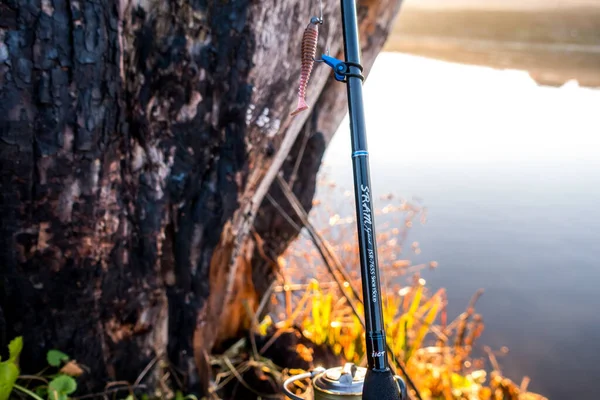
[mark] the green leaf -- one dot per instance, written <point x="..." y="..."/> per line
<point x="179" y="396"/>
<point x="41" y="391"/>
<point x="60" y="387"/>
<point x="55" y="357"/>
<point x="8" y="376"/>
<point x="14" y="348"/>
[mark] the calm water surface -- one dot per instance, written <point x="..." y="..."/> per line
<point x="510" y="174"/>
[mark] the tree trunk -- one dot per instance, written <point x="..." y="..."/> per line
<point x="137" y="143"/>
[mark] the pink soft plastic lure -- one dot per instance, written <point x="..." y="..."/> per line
<point x="309" y="50"/>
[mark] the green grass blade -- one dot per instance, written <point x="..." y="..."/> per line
<point x="27" y="392"/>
<point x="424" y="329"/>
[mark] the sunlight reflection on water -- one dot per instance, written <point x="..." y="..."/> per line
<point x="510" y="174"/>
<point x="426" y="111"/>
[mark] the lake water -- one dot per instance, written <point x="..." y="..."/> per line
<point x="510" y="174"/>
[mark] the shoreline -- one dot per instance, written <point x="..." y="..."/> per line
<point x="554" y="46"/>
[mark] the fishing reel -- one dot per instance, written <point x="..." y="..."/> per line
<point x="339" y="383"/>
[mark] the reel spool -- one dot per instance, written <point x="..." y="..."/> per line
<point x="339" y="383"/>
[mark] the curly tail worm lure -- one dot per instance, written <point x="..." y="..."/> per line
<point x="309" y="50"/>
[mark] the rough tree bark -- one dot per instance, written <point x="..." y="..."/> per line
<point x="138" y="140"/>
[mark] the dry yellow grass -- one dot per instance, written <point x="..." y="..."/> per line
<point x="435" y="352"/>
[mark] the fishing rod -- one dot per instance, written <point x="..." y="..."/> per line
<point x="376" y="382"/>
